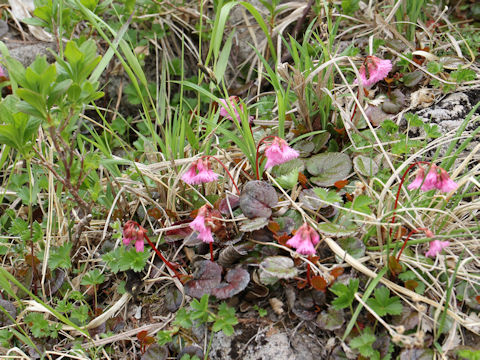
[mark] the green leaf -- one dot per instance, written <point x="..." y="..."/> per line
<point x="328" y="196"/>
<point x="383" y="304"/>
<point x="413" y="119"/>
<point x="93" y="277"/>
<point x="60" y="257"/>
<point x="38" y="324"/>
<point x="134" y="260"/>
<point x="361" y="204"/>
<point x="225" y="319"/>
<point x="183" y="319"/>
<point x="345" y="294"/>
<point x="434" y="67"/>
<point x="80" y="313"/>
<point x="200" y="310"/>
<point x="364" y="344"/>
<point x="164" y="337"/>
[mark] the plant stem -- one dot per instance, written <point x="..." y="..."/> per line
<point x="225" y="168"/>
<point x="414" y="231"/>
<point x="165" y="261"/>
<point x="211" y="251"/>
<point x="257" y="153"/>
<point x="400" y="188"/>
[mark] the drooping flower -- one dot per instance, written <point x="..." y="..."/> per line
<point x="233" y="101"/>
<point x="133" y="232"/>
<point x="436" y="246"/>
<point x="376" y="70"/>
<point x="279" y="152"/>
<point x="444" y="183"/>
<point x="202" y="226"/>
<point x="304" y="240"/>
<point x="199" y="172"/>
<point x="434" y="180"/>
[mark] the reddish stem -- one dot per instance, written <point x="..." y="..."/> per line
<point x="166" y="262"/>
<point x="225" y="168"/>
<point x="258" y="153"/>
<point x="400" y="188"/>
<point x="211" y="251"/>
<point x="405" y="243"/>
<point x="309" y="279"/>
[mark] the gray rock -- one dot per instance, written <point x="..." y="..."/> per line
<point x="255" y="344"/>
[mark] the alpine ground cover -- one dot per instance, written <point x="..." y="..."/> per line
<point x="180" y="169"/>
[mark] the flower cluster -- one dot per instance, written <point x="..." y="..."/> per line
<point x="233" y="102"/>
<point x="203" y="224"/>
<point x="437" y="178"/>
<point x="375" y="71"/>
<point x="304" y="240"/>
<point x="133" y="232"/>
<point x="279" y="152"/>
<point x="199" y="173"/>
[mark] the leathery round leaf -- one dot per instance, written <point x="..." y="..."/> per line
<point x="365" y="166"/>
<point x="207" y="277"/>
<point x="257" y="199"/>
<point x="236" y="281"/>
<point x="328" y="168"/>
<point x="281" y="267"/>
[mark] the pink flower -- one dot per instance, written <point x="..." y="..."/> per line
<point x="199" y="172"/>
<point x="202" y="226"/>
<point x="433" y="180"/>
<point x="378" y="69"/>
<point x="444" y="183"/>
<point x="279" y="152"/>
<point x="132" y="231"/>
<point x="225" y="108"/>
<point x="304" y="240"/>
<point x="436" y="246"/>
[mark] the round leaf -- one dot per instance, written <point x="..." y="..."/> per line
<point x="254" y="224"/>
<point x="330" y="229"/>
<point x="257" y="199"/>
<point x="328" y="168"/>
<point x="207" y="276"/>
<point x="365" y="166"/>
<point x="237" y="281"/>
<point x="281" y="267"/>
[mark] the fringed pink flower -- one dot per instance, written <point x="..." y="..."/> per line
<point x="304" y="240"/>
<point x="436" y="247"/>
<point x="376" y="70"/>
<point x="279" y="152"/>
<point x="202" y="226"/>
<point x="133" y="232"/>
<point x="434" y="180"/>
<point x="233" y="101"/>
<point x="444" y="183"/>
<point x="199" y="172"/>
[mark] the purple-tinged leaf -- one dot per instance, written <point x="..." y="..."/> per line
<point x="257" y="199"/>
<point x="206" y="277"/>
<point x="237" y="281"/>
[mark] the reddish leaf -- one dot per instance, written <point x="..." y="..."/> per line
<point x="273" y="227"/>
<point x="302" y="179"/>
<point x="301" y="284"/>
<point x="340" y="184"/>
<point x="155" y="213"/>
<point x="223" y="204"/>
<point x="148" y="340"/>
<point x="282" y="239"/>
<point x="336" y="272"/>
<point x="411" y="284"/>
<point x="207" y="277"/>
<point x="237" y="281"/>
<point x="142" y="335"/>
<point x="394" y="266"/>
<point x="180" y="233"/>
<point x="477" y="298"/>
<point x="349" y="196"/>
<point x="319" y="283"/>
<point x="29" y="259"/>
